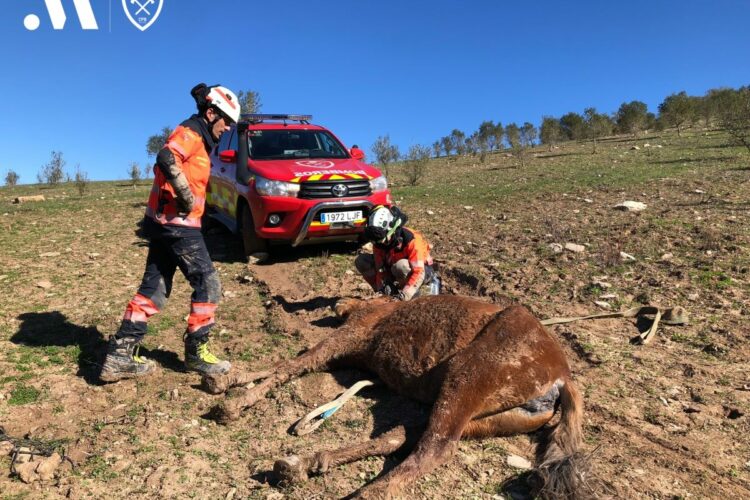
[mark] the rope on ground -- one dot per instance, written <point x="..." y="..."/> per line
<point x="315" y="418"/>
<point x="669" y="316"/>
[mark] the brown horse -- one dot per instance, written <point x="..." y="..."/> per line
<point x="486" y="369"/>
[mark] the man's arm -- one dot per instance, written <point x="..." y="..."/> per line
<point x="169" y="162"/>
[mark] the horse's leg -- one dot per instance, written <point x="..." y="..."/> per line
<point x="507" y="423"/>
<point x="296" y="469"/>
<point x="334" y="348"/>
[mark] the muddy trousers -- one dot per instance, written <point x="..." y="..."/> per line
<point x="396" y="275"/>
<point x="166" y="253"/>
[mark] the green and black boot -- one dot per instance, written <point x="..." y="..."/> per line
<point x="123" y="361"/>
<point x="199" y="359"/>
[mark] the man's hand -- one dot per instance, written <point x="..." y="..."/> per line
<point x="406" y="294"/>
<point x="184" y="195"/>
<point x="185" y="203"/>
<point x="386" y="290"/>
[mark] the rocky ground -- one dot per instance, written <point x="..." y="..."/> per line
<point x="664" y="420"/>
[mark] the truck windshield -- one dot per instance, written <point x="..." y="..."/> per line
<point x="292" y="144"/>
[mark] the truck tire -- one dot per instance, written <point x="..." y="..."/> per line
<point x="251" y="242"/>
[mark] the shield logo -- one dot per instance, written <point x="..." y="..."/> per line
<point x="340" y="190"/>
<point x="142" y="13"/>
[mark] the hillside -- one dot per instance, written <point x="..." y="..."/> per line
<point x="664" y="420"/>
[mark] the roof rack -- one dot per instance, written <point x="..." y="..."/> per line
<point x="258" y="118"/>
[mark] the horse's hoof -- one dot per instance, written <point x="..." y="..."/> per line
<point x="290" y="470"/>
<point x="214" y="383"/>
<point x="344" y="307"/>
<point x="224" y="414"/>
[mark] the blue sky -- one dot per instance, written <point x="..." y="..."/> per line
<point x="414" y="69"/>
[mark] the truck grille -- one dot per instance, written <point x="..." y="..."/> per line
<point x="335" y="189"/>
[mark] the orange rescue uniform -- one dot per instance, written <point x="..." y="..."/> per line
<point x="191" y="157"/>
<point x="414" y="248"/>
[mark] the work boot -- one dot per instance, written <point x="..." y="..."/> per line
<point x="199" y="359"/>
<point x="123" y="361"/>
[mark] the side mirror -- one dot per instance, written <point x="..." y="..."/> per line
<point x="228" y="156"/>
<point x="357" y="154"/>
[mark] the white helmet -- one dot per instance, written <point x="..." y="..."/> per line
<point x="225" y="101"/>
<point x="382" y="223"/>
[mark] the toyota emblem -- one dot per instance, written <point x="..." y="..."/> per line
<point x="340" y="190"/>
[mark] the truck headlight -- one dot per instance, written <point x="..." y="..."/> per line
<point x="267" y="187"/>
<point x="378" y="184"/>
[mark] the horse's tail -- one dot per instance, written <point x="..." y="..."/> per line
<point x="561" y="466"/>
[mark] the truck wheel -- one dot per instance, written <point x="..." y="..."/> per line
<point x="250" y="241"/>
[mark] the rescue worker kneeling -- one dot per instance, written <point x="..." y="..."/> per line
<point x="172" y="225"/>
<point x="400" y="263"/>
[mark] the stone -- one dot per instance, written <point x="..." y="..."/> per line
<point x="634" y="148"/>
<point x="627" y="257"/>
<point x="44" y="284"/>
<point x="631" y="206"/>
<point x="518" y="462"/>
<point x="666" y="257"/>
<point x="49" y="254"/>
<point x="258" y="258"/>
<point x="46" y="469"/>
<point x="572" y="247"/>
<point x="6" y="448"/>
<point x="603" y="305"/>
<point x="25" y="199"/>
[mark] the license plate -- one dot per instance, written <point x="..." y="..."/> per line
<point x="334" y="217"/>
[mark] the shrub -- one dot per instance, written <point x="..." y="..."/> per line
<point x="11" y="178"/>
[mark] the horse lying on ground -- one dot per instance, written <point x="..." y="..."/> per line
<point x="486" y="369"/>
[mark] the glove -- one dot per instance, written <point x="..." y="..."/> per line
<point x="184" y="196"/>
<point x="386" y="290"/>
<point x="184" y="204"/>
<point x="406" y="294"/>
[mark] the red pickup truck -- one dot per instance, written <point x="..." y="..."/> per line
<point x="279" y="178"/>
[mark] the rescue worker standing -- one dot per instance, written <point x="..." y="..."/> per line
<point x="400" y="262"/>
<point x="172" y="224"/>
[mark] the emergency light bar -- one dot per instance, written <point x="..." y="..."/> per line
<point x="257" y="118"/>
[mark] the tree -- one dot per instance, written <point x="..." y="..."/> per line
<point x="81" y="180"/>
<point x="677" y="110"/>
<point x="733" y="112"/>
<point x="53" y="172"/>
<point x="385" y="152"/>
<point x="597" y="125"/>
<point x="497" y="136"/>
<point x="528" y="135"/>
<point x="11" y="178"/>
<point x="436" y="148"/>
<point x="447" y="145"/>
<point x="134" y="173"/>
<point x="157" y="141"/>
<point x="416" y="163"/>
<point x="485" y="137"/>
<point x="513" y="136"/>
<point x="458" y="140"/>
<point x="550" y="132"/>
<point x="471" y="145"/>
<point x="632" y="117"/>
<point x="249" y="101"/>
<point x="573" y="126"/>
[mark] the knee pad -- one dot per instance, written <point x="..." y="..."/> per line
<point x="401" y="269"/>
